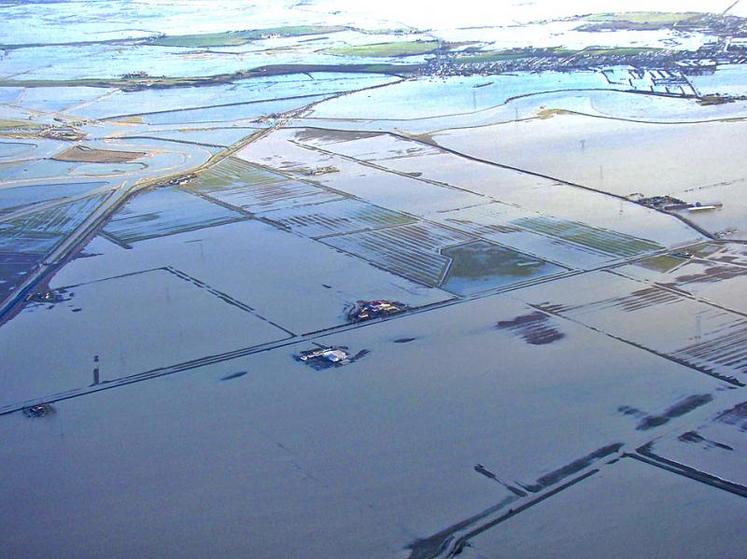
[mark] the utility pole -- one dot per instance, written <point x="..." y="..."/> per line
<point x="96" y="372"/>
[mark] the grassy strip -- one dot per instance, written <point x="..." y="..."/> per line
<point x="238" y="38"/>
<point x="642" y="21"/>
<point x="10" y="124"/>
<point x="139" y="83"/>
<point x="659" y="18"/>
<point x="395" y="48"/>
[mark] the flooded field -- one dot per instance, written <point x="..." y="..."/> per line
<point x="708" y="338"/>
<point x="237" y="183"/>
<point x="40" y="231"/>
<point x="712" y="449"/>
<point x="19" y="196"/>
<point x="445" y="96"/>
<point x="407" y="193"/>
<point x="481" y="265"/>
<point x="165" y="212"/>
<point x="14" y="268"/>
<point x="500" y="223"/>
<point x="323" y="279"/>
<point x="616" y="244"/>
<point x="335" y="218"/>
<point x="413" y="251"/>
<point x="263" y="272"/>
<point x="172" y="300"/>
<point x="241" y="93"/>
<point x="484" y="398"/>
<point x="715" y="273"/>
<point x="682" y="152"/>
<point x="647" y="501"/>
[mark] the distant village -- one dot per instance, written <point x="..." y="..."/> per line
<point x="726" y="49"/>
<point x="704" y="60"/>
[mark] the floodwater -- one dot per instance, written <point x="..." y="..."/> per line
<point x="430" y="97"/>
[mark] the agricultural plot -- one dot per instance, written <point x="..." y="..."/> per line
<point x="205" y="135"/>
<point x="36" y="170"/>
<point x="238" y="38"/>
<point x="412" y="251"/>
<point x="19" y="196"/>
<point x="716" y="447"/>
<point x="28" y="150"/>
<point x="534" y="194"/>
<point x="699" y="521"/>
<point x="298" y="283"/>
<point x="480" y="265"/>
<point x="609" y="242"/>
<point x="39" y="232"/>
<point x="368" y="146"/>
<point x="14" y="267"/>
<point x="498" y="223"/>
<point x="230" y="113"/>
<point x="53" y="99"/>
<point x="606" y="103"/>
<point x="386" y="50"/>
<point x="415" y="250"/>
<point x="240" y="184"/>
<point x="284" y="150"/>
<point x="165" y="211"/>
<point x="603" y="212"/>
<point x="86" y="154"/>
<point x="429" y="162"/>
<point x="158" y="317"/>
<point x="704" y="337"/>
<point x="417" y="481"/>
<point x="241" y="91"/>
<point x="10" y="150"/>
<point x="728" y="253"/>
<point x="453" y="94"/>
<point x="715" y="279"/>
<point x="337" y="217"/>
<point x="565" y="146"/>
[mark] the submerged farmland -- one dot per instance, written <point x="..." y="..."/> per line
<point x="312" y="280"/>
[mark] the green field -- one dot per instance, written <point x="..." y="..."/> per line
<point x="6" y="124"/>
<point x="603" y="240"/>
<point x="396" y="48"/>
<point x="662" y="263"/>
<point x="619" y="51"/>
<point x="162" y="82"/>
<point x="493" y="56"/>
<point x="641" y="21"/>
<point x="238" y="38"/>
<point x="660" y="18"/>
